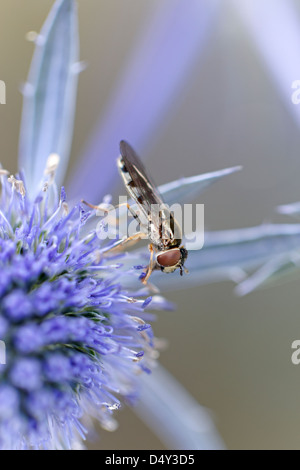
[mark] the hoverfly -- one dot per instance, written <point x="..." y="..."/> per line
<point x="167" y="252"/>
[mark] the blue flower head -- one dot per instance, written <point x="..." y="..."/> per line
<point x="77" y="340"/>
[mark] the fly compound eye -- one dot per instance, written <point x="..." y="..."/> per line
<point x="170" y="258"/>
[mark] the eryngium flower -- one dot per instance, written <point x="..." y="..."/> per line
<point x="75" y="341"/>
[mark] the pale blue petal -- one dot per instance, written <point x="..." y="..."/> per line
<point x="278" y="269"/>
<point x="233" y="254"/>
<point x="290" y="209"/>
<point x="50" y="95"/>
<point x="185" y="190"/>
<point x="174" y="415"/>
<point x="151" y="85"/>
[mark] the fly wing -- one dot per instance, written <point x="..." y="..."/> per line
<point x="142" y="189"/>
<point x="141" y="186"/>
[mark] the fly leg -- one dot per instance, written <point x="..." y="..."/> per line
<point x="105" y="209"/>
<point x="151" y="265"/>
<point x="127" y="241"/>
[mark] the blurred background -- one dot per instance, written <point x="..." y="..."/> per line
<point x="232" y="107"/>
